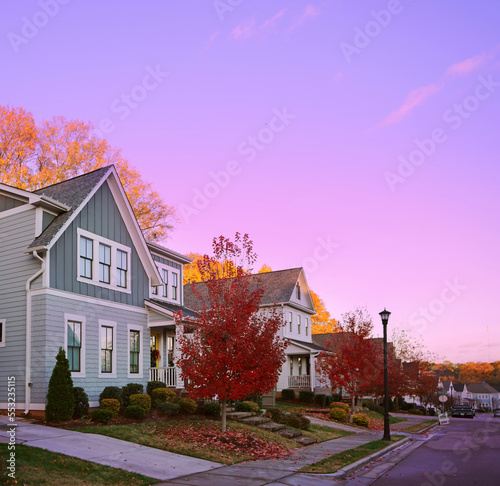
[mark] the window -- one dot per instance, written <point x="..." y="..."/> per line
<point x="298" y="324"/>
<point x="74" y="345"/>
<point x="174" y="286"/>
<point x="298" y="291"/>
<point x="121" y="267"/>
<point x="300" y="365"/>
<point x="164" y="276"/>
<point x="104" y="263"/>
<point x="134" y="351"/>
<point x="170" y="351"/>
<point x="291" y="366"/>
<point x="290" y="320"/>
<point x="2" y="333"/>
<point x="86" y="257"/>
<point x="307" y="326"/>
<point x="107" y="349"/>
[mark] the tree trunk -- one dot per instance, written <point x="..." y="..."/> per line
<point x="223" y="409"/>
<point x="352" y="402"/>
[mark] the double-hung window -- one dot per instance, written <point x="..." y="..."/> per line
<point x="290" y="321"/>
<point x="74" y="345"/>
<point x="104" y="263"/>
<point x="107" y="349"/>
<point x="121" y="268"/>
<point x="298" y="324"/>
<point x="174" y="286"/>
<point x="2" y="333"/>
<point x="164" y="276"/>
<point x="307" y="326"/>
<point x="135" y="349"/>
<point x="86" y="257"/>
<point x="298" y="291"/>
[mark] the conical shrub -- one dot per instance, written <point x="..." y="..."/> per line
<point x="60" y="397"/>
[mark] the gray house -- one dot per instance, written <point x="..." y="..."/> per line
<point x="76" y="272"/>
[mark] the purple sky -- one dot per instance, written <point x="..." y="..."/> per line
<point x="359" y="141"/>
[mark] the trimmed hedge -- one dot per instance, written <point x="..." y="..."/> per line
<point x="102" y="415"/>
<point x="288" y="394"/>
<point x="320" y="399"/>
<point x="169" y="408"/>
<point x="81" y="402"/>
<point x="154" y="384"/>
<point x="142" y="400"/>
<point x="361" y="419"/>
<point x="341" y="405"/>
<point x="247" y="406"/>
<point x="134" y="411"/>
<point x="337" y="413"/>
<point x="131" y="389"/>
<point x="111" y="404"/>
<point x="112" y="392"/>
<point x="306" y="396"/>
<point x="212" y="408"/>
<point x="374" y="408"/>
<point x="187" y="405"/>
<point x="163" y="394"/>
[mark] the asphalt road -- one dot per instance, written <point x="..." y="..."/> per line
<point x="465" y="452"/>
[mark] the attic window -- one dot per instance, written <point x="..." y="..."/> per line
<point x="298" y="291"/>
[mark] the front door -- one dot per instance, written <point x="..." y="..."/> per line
<point x="155" y="350"/>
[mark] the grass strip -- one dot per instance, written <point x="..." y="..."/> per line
<point x="417" y="428"/>
<point x="323" y="433"/>
<point x="338" y="461"/>
<point x="41" y="467"/>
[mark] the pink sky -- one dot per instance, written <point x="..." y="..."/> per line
<point x="359" y="142"/>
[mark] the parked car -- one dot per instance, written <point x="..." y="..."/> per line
<point x="462" y="411"/>
<point x="496" y="412"/>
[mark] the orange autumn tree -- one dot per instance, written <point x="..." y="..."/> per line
<point x="322" y="321"/>
<point x="34" y="156"/>
<point x="230" y="350"/>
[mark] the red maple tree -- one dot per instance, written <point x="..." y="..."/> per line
<point x="350" y="362"/>
<point x="230" y="350"/>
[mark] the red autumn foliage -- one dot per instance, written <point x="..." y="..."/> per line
<point x="233" y="350"/>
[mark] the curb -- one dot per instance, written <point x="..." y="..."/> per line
<point x="361" y="462"/>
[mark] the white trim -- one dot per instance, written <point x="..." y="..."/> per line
<point x="82" y="320"/>
<point x="14" y="211"/>
<point x="134" y="327"/>
<point x="115" y="246"/>
<point x="3" y="323"/>
<point x="89" y="300"/>
<point x="170" y="271"/>
<point x="93" y="403"/>
<point x="114" y="355"/>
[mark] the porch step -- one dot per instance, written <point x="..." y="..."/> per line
<point x="289" y="433"/>
<point x="256" y="420"/>
<point x="239" y="415"/>
<point x="305" y="440"/>
<point x="272" y="426"/>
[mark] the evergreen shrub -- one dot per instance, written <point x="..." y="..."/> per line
<point x="142" y="400"/>
<point x="60" y="397"/>
<point x="111" y="404"/>
<point x="81" y="402"/>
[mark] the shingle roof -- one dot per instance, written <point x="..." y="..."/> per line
<point x="458" y="387"/>
<point x="174" y="308"/>
<point x="278" y="287"/>
<point x="480" y="388"/>
<point x="312" y="346"/>
<point x="72" y="193"/>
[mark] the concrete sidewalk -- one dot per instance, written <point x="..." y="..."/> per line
<point x="147" y="461"/>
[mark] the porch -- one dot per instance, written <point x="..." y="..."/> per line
<point x="167" y="374"/>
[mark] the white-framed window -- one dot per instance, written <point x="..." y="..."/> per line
<point x="2" y="332"/>
<point x="307" y="326"/>
<point x="74" y="344"/>
<point x="175" y="284"/>
<point x="290" y="321"/>
<point x="291" y="366"/>
<point x="299" y="359"/>
<point x="164" y="277"/>
<point x="103" y="262"/>
<point x="135" y="356"/>
<point x="298" y="323"/>
<point x="298" y="291"/>
<point x="107" y="349"/>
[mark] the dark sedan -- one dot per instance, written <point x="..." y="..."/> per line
<point x="462" y="411"/>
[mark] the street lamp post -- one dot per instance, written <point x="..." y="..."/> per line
<point x="387" y="430"/>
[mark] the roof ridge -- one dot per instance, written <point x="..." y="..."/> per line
<point x="105" y="168"/>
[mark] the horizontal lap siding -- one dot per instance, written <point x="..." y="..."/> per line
<point x="16" y="233"/>
<point x="102" y="217"/>
<point x="51" y="309"/>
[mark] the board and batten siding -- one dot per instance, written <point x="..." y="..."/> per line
<point x="100" y="216"/>
<point x="17" y="231"/>
<point x="9" y="203"/>
<point x="49" y="334"/>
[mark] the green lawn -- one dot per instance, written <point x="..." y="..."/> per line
<point x="323" y="433"/>
<point x="414" y="429"/>
<point x="338" y="461"/>
<point x="41" y="467"/>
<point x="201" y="439"/>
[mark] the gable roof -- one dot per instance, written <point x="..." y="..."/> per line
<point x="480" y="388"/>
<point x="74" y="194"/>
<point x="278" y="288"/>
<point x="458" y="387"/>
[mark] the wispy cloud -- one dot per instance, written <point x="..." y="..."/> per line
<point x="245" y="30"/>
<point x="210" y="41"/>
<point x="310" y="11"/>
<point x="418" y="95"/>
<point x="338" y="76"/>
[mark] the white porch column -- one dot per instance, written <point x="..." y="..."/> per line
<point x="312" y="367"/>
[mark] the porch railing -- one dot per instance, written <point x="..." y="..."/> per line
<point x="299" y="381"/>
<point x="167" y="374"/>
